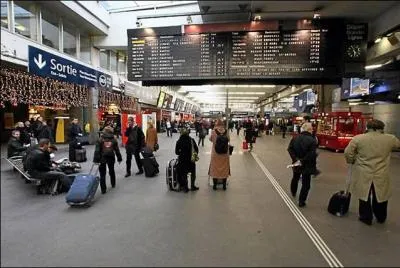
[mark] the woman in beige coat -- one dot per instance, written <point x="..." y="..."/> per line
<point x="219" y="164"/>
<point x="151" y="136"/>
<point x="370" y="155"/>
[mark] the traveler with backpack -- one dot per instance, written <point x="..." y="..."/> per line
<point x="104" y="154"/>
<point x="187" y="151"/>
<point x="135" y="143"/>
<point x="219" y="164"/>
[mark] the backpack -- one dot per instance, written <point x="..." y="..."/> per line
<point x="221" y="143"/>
<point x="107" y="148"/>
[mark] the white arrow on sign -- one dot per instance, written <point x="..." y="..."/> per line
<point x="39" y="61"/>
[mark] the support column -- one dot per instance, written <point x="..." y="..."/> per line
<point x="92" y="110"/>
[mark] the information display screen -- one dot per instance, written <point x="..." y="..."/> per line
<point x="315" y="51"/>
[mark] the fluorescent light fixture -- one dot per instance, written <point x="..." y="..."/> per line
<point x="353" y="100"/>
<point x="377" y="40"/>
<point x="374" y="66"/>
<point x="307" y="89"/>
<point x="371" y="103"/>
<point x="398" y="97"/>
<point x="354" y="103"/>
<point x="294" y="95"/>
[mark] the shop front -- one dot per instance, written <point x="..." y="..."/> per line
<point x="26" y="97"/>
<point x="150" y="114"/>
<point x="114" y="110"/>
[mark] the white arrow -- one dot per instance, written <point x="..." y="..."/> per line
<point x="39" y="62"/>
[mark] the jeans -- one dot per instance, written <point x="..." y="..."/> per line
<point x="201" y="139"/>
<point x="129" y="161"/>
<point x="111" y="172"/>
<point x="169" y="132"/>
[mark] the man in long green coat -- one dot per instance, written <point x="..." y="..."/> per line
<point x="370" y="155"/>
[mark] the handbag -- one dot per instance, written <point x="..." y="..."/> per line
<point x="230" y="149"/>
<point x="195" y="156"/>
<point x="156" y="147"/>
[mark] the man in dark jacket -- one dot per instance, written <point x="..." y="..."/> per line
<point x="133" y="146"/>
<point x="37" y="127"/>
<point x="15" y="146"/>
<point x="104" y="154"/>
<point x="46" y="132"/>
<point x="74" y="132"/>
<point x="303" y="149"/>
<point x="183" y="149"/>
<point x="39" y="166"/>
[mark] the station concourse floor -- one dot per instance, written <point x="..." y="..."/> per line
<point x="255" y="222"/>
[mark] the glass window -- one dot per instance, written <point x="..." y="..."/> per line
<point x="104" y="59"/>
<point x="85" y="48"/>
<point x="69" y="36"/>
<point x="50" y="29"/>
<point x="4" y="14"/>
<point x="121" y="64"/>
<point x="25" y="19"/>
<point x="113" y="62"/>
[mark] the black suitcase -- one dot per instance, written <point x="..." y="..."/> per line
<point x="340" y="201"/>
<point x="150" y="166"/>
<point x="80" y="155"/>
<point x="172" y="175"/>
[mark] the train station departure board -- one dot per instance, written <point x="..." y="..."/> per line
<point x="166" y="53"/>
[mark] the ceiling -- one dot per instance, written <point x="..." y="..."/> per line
<point x="237" y="94"/>
<point x="364" y="11"/>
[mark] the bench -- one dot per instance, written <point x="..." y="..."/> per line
<point x="16" y="162"/>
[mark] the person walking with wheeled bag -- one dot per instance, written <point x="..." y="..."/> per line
<point x="187" y="151"/>
<point x="136" y="141"/>
<point x="104" y="155"/>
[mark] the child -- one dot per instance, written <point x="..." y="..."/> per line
<point x="104" y="154"/>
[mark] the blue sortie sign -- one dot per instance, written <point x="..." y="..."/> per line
<point x="45" y="64"/>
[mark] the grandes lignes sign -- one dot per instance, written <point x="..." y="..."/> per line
<point x="46" y="64"/>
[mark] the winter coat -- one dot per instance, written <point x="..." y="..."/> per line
<point x="219" y="164"/>
<point x="102" y="157"/>
<point x="183" y="149"/>
<point x="136" y="139"/>
<point x="25" y="138"/>
<point x="38" y="161"/>
<point x="304" y="148"/>
<point x="74" y="131"/>
<point x="46" y="133"/>
<point x="14" y="147"/>
<point x="151" y="137"/>
<point x="370" y="155"/>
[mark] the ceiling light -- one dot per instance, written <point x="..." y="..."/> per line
<point x="294" y="95"/>
<point x="317" y="15"/>
<point x="377" y="40"/>
<point x="389" y="34"/>
<point x="374" y="66"/>
<point x="353" y="100"/>
<point x="256" y="18"/>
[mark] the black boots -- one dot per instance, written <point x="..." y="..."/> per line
<point x="215" y="182"/>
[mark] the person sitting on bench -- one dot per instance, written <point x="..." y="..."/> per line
<point x="15" y="146"/>
<point x="39" y="166"/>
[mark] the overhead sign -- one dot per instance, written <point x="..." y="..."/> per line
<point x="46" y="64"/>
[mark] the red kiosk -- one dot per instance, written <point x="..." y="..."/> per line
<point x="335" y="130"/>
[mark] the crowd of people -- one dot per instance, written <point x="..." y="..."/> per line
<point x="368" y="154"/>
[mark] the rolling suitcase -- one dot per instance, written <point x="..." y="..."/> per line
<point x="83" y="188"/>
<point x="340" y="201"/>
<point x="80" y="155"/>
<point x="245" y="145"/>
<point x="150" y="166"/>
<point x="172" y="175"/>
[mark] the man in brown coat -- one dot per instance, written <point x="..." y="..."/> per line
<point x="370" y="155"/>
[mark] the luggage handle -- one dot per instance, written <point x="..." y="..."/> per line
<point x="348" y="181"/>
<point x="97" y="169"/>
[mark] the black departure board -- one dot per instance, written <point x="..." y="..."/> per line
<point x="313" y="52"/>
